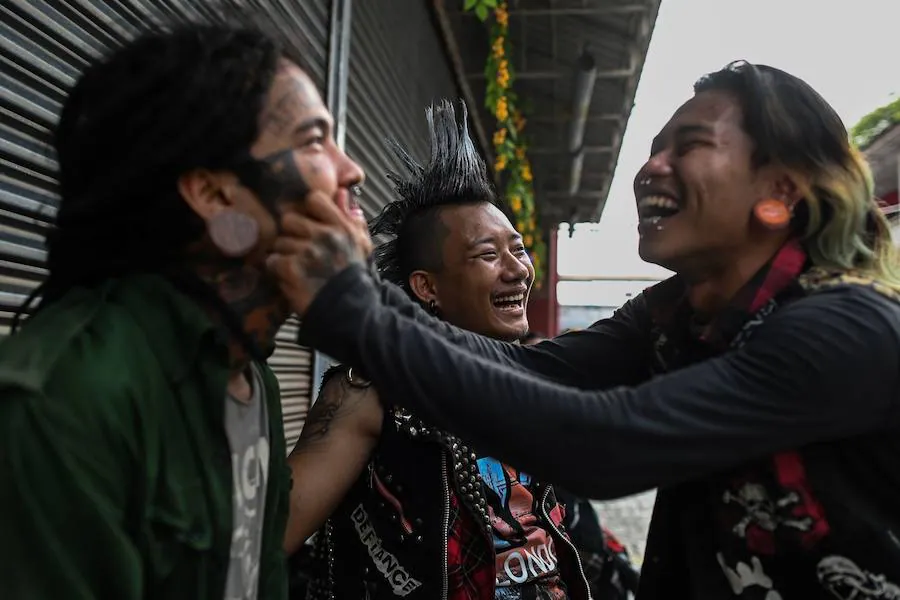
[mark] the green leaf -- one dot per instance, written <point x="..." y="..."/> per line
<point x="482" y="11"/>
<point x="491" y="3"/>
<point x="875" y="123"/>
<point x="469" y="4"/>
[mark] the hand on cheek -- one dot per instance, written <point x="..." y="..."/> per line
<point x="316" y="242"/>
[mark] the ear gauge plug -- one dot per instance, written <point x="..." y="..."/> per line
<point x="233" y="233"/>
<point x="772" y="214"/>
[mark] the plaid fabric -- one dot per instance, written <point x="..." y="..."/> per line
<point x="470" y="558"/>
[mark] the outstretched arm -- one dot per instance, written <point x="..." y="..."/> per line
<point x="340" y="433"/>
<point x="822" y="368"/>
<point x="611" y="352"/>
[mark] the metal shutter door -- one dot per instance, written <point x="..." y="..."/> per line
<point x="397" y="68"/>
<point x="43" y="47"/>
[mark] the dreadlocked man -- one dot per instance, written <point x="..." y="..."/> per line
<point x="141" y="448"/>
<point x="420" y="514"/>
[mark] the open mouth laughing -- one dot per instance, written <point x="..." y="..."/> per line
<point x="654" y="209"/>
<point x="511" y="304"/>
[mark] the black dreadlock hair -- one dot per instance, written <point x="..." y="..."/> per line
<point x="173" y="100"/>
<point x="455" y="175"/>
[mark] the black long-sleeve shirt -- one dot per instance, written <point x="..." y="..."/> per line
<point x="776" y="461"/>
<point x="823" y="368"/>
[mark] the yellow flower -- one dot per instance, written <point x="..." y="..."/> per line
<point x="499" y="136"/>
<point x="503" y="73"/>
<point x="502" y="110"/>
<point x="502" y="15"/>
<point x="519" y="121"/>
<point x="500" y="163"/>
<point x="520" y="152"/>
<point x="515" y="203"/>
<point x="528" y="240"/>
<point x="497" y="47"/>
<point x="526" y="173"/>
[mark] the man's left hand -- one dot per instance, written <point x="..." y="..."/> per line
<point x="315" y="245"/>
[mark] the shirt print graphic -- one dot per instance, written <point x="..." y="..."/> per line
<point x="524" y="549"/>
<point x="249" y="481"/>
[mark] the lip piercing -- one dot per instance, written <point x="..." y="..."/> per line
<point x="644" y="182"/>
<point x="356" y="191"/>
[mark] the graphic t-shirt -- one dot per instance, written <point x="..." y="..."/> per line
<point x="247" y="428"/>
<point x="526" y="557"/>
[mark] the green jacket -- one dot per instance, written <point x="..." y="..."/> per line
<point x="115" y="469"/>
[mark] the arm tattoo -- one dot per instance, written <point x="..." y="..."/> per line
<point x="318" y="422"/>
<point x="332" y="404"/>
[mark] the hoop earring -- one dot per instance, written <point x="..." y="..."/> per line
<point x="233" y="233"/>
<point x="432" y="307"/>
<point x="772" y="214"/>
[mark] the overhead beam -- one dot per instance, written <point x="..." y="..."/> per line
<point x="553" y="75"/>
<point x="628" y="9"/>
<point x="566" y="117"/>
<point x="563" y="151"/>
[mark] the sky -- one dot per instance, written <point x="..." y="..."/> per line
<point x="847" y="51"/>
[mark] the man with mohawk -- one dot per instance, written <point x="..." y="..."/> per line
<point x="413" y="511"/>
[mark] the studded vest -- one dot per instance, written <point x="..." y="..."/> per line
<point x="418" y="507"/>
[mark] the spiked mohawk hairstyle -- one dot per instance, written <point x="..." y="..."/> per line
<point x="455" y="175"/>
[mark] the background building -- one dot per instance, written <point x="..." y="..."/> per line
<point x="878" y="136"/>
<point x="883" y="154"/>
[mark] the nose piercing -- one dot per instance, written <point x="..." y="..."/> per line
<point x="356" y="191"/>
